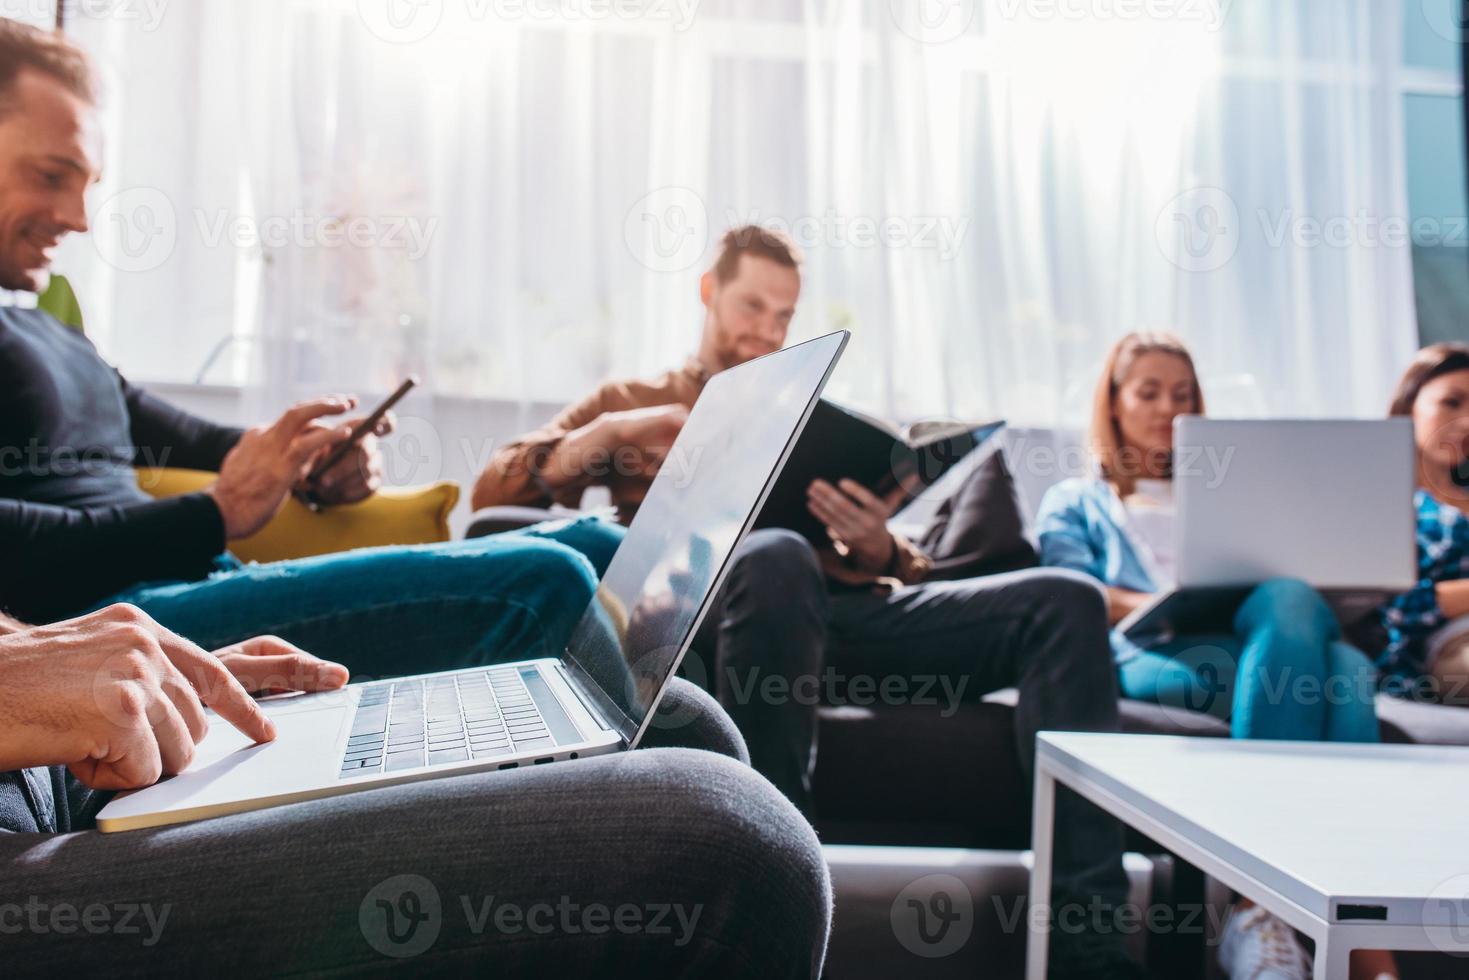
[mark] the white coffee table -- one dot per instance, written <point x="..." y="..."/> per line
<point x="1356" y="846"/>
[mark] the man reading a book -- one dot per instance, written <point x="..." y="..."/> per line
<point x="618" y="436"/>
<point x="864" y="607"/>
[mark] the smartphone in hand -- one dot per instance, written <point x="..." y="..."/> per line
<point x="307" y="495"/>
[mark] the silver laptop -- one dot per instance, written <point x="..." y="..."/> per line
<point x="1327" y="502"/>
<point x="597" y="697"/>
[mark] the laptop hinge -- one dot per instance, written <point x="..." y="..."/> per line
<point x="575" y="685"/>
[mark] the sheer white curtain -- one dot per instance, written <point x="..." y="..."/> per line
<point x="988" y="192"/>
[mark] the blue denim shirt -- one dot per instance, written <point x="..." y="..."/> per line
<point x="1082" y="525"/>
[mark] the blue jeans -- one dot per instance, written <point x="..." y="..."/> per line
<point x="1284" y="673"/>
<point x="406" y="609"/>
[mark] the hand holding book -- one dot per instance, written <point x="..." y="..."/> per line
<point x="856" y="520"/>
<point x="889" y="465"/>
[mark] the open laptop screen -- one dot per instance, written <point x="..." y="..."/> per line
<point x="698" y="508"/>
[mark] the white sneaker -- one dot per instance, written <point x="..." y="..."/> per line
<point x="1258" y="946"/>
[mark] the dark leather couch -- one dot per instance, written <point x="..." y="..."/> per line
<point x="906" y="775"/>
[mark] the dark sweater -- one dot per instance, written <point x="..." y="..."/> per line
<point x="74" y="527"/>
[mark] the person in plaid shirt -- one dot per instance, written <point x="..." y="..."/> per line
<point x="1427" y="628"/>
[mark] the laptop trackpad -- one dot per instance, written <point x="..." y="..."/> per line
<point x="229" y="767"/>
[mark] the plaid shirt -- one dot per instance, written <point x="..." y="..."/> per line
<point x="1443" y="555"/>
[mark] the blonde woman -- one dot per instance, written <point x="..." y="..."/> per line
<point x="1117" y="526"/>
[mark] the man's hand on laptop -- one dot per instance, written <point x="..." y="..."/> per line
<point x="115" y="697"/>
<point x="856" y="519"/>
<point x="268" y="663"/>
<point x="270" y="460"/>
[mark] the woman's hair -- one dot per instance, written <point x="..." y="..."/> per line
<point x="1106" y="436"/>
<point x="1431" y="362"/>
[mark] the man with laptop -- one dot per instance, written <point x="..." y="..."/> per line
<point x="119" y="700"/>
<point x="76" y="530"/>
<point x="544" y="871"/>
<point x="636" y="858"/>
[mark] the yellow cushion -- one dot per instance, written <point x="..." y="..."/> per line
<point x="397" y="515"/>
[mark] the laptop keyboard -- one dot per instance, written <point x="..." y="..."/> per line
<point x="409" y="724"/>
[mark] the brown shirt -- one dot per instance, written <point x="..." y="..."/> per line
<point x="513" y="476"/>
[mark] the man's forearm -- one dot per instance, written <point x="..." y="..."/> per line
<point x="537" y="469"/>
<point x="9" y="625"/>
<point x="164" y="435"/>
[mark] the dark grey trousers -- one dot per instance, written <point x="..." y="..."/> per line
<point x="1043" y="631"/>
<point x="663" y="862"/>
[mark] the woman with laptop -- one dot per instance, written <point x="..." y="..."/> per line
<point x="1426" y="630"/>
<point x="1117" y="526"/>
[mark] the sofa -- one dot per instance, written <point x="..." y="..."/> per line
<point x="930" y="776"/>
<point x="969" y="792"/>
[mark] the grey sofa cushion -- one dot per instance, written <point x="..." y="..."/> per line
<point x="904" y="774"/>
<point x="1427" y="724"/>
<point x="979" y="530"/>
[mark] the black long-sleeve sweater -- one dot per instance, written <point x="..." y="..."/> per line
<point x="74" y="526"/>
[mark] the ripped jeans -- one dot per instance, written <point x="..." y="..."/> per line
<point x="406" y="609"/>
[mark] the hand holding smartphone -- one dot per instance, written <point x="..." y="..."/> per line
<point x="369" y="424"/>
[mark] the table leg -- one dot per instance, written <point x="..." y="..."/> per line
<point x="1333" y="957"/>
<point x="1042" y="839"/>
<point x="1178" y="953"/>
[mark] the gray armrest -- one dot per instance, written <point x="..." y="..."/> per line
<point x="494" y="520"/>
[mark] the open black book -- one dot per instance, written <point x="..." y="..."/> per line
<point x="841" y="443"/>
